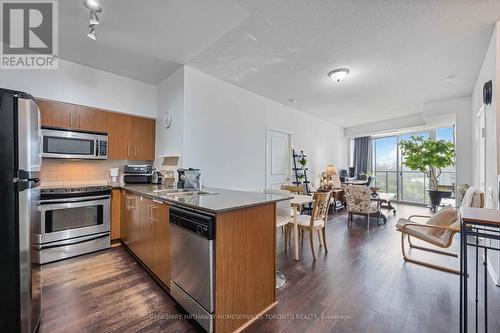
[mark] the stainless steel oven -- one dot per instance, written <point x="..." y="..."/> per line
<point x="69" y="144"/>
<point x="73" y="221"/>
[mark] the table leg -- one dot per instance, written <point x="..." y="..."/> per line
<point x="296" y="240"/>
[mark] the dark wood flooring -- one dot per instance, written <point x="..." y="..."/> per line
<point x="360" y="285"/>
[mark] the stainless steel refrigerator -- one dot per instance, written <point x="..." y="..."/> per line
<point x="20" y="162"/>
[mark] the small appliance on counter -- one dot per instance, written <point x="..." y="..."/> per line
<point x="189" y="178"/>
<point x="157" y="177"/>
<point x="138" y="174"/>
<point x="113" y="176"/>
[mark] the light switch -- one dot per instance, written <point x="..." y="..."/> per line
<point x="490" y="192"/>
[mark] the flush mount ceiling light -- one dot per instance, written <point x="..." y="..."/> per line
<point x="91" y="34"/>
<point x="338" y="74"/>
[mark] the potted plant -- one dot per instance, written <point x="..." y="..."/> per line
<point x="429" y="156"/>
<point x="303" y="161"/>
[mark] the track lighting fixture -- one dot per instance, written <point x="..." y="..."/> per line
<point x="94" y="8"/>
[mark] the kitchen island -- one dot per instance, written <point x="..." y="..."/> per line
<point x="244" y="246"/>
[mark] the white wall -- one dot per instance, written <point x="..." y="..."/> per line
<point x="171" y="99"/>
<point x="225" y="133"/>
<point x="455" y="111"/>
<point x="490" y="70"/>
<point x="84" y="85"/>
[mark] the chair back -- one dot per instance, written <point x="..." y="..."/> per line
<point x="295" y="189"/>
<point x="283" y="208"/>
<point x="370" y="178"/>
<point x="320" y="206"/>
<point x="358" y="198"/>
<point x="473" y="197"/>
<point x="336" y="181"/>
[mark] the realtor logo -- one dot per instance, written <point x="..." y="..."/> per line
<point x="29" y="34"/>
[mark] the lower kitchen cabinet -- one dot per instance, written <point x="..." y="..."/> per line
<point x="161" y="242"/>
<point x="146" y="232"/>
<point x="116" y="213"/>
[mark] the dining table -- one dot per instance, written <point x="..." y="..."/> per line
<point x="297" y="202"/>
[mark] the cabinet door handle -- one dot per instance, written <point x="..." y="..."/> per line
<point x="70" y="120"/>
<point x="79" y="121"/>
<point x="135" y="151"/>
<point x="128" y="150"/>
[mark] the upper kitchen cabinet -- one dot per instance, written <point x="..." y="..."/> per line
<point x="131" y="138"/>
<point x="69" y="116"/>
<point x="89" y="119"/>
<point x="119" y="136"/>
<point x="55" y="114"/>
<point x="143" y="139"/>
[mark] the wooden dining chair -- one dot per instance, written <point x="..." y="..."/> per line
<point x="317" y="221"/>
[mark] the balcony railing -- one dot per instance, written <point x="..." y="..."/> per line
<point x="410" y="186"/>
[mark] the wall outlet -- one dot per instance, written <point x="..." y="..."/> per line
<point x="490" y="192"/>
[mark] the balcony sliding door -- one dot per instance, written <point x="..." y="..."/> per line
<point x="392" y="176"/>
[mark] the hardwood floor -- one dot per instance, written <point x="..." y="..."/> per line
<point x="360" y="285"/>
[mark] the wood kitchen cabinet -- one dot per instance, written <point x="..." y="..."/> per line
<point x="161" y="242"/>
<point x="143" y="138"/>
<point x="116" y="213"/>
<point x="89" y="119"/>
<point x="56" y="114"/>
<point x="131" y="138"/>
<point x="146" y="232"/>
<point x="69" y="116"/>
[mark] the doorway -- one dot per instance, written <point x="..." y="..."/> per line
<point x="278" y="155"/>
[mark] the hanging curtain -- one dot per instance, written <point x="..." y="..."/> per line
<point x="362" y="154"/>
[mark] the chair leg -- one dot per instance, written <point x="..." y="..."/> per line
<point x="286" y="236"/>
<point x="367" y="222"/>
<point x="320" y="237"/>
<point x="311" y="238"/>
<point x="431" y="250"/>
<point x="323" y="231"/>
<point x="422" y="263"/>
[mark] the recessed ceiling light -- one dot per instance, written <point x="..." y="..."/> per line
<point x="91" y="4"/>
<point x="291" y="100"/>
<point x="450" y="78"/>
<point x="338" y="74"/>
<point x="91" y="34"/>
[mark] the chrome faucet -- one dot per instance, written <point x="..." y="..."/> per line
<point x="197" y="187"/>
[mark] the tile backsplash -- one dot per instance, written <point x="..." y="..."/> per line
<point x="86" y="171"/>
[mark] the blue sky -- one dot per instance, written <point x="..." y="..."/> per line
<point x="386" y="148"/>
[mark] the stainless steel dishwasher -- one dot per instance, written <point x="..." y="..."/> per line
<point x="192" y="259"/>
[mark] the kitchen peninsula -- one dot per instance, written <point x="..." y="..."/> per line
<point x="233" y="277"/>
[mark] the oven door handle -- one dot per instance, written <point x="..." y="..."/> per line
<point x="77" y="199"/>
<point x="76" y="204"/>
<point x="70" y="241"/>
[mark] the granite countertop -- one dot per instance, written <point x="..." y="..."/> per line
<point x="219" y="200"/>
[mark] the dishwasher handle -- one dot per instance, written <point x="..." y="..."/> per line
<point x="201" y="224"/>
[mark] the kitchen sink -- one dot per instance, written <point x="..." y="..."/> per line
<point x="183" y="193"/>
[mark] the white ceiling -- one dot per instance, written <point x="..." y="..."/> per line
<point x="399" y="52"/>
<point x="144" y="40"/>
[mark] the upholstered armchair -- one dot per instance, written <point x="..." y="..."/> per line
<point x="359" y="202"/>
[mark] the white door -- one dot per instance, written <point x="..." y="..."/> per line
<point x="277" y="159"/>
<point x="481" y="134"/>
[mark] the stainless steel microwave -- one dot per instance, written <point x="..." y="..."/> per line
<point x="69" y="144"/>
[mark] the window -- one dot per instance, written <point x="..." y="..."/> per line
<point x="392" y="176"/>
